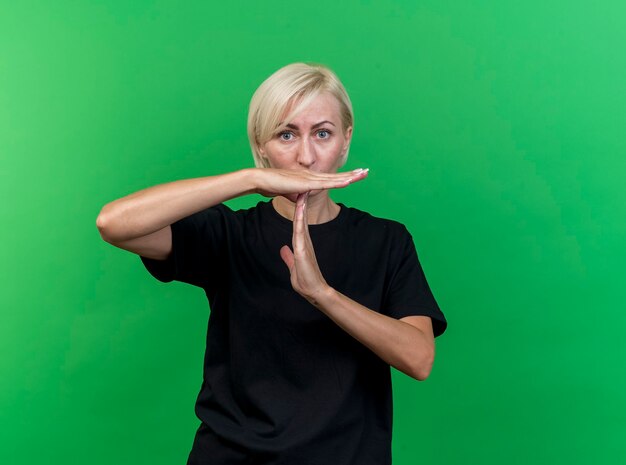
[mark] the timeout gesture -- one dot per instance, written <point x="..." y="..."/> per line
<point x="306" y="277"/>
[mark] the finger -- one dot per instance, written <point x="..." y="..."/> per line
<point x="344" y="179"/>
<point x="319" y="174"/>
<point x="300" y="199"/>
<point x="301" y="228"/>
<point x="358" y="175"/>
<point x="296" y="215"/>
<point x="361" y="173"/>
<point x="321" y="181"/>
<point x="297" y="224"/>
<point x="305" y="223"/>
<point x="324" y="176"/>
<point x="349" y="173"/>
<point x="343" y="175"/>
<point x="301" y="238"/>
<point x="330" y="174"/>
<point x="330" y="183"/>
<point x="287" y="255"/>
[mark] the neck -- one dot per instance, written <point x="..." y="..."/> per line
<point x="320" y="208"/>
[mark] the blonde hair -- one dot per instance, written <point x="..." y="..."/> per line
<point x="297" y="83"/>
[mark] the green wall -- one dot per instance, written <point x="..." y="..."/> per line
<point x="493" y="130"/>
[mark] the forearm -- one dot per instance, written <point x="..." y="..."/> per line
<point x="401" y="345"/>
<point x="148" y="210"/>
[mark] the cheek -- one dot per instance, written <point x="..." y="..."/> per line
<point x="280" y="157"/>
<point x="332" y="153"/>
<point x="276" y="154"/>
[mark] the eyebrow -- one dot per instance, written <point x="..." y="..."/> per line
<point x="293" y="126"/>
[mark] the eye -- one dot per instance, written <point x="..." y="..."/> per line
<point x="324" y="131"/>
<point x="285" y="133"/>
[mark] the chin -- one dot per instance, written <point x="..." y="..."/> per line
<point x="292" y="197"/>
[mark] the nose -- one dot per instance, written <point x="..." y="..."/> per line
<point x="306" y="153"/>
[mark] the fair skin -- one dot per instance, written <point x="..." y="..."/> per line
<point x="407" y="343"/>
<point x="304" y="167"/>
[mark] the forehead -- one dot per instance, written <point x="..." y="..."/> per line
<point x="323" y="107"/>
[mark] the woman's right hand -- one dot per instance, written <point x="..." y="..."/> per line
<point x="271" y="182"/>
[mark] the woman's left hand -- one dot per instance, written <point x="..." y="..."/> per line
<point x="306" y="277"/>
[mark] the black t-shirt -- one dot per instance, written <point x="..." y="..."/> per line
<point x="283" y="383"/>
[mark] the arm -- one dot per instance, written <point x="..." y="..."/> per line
<point x="406" y="344"/>
<point x="146" y="214"/>
<point x="150" y="210"/>
<point x="408" y="347"/>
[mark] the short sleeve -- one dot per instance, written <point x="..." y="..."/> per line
<point x="408" y="292"/>
<point x="197" y="242"/>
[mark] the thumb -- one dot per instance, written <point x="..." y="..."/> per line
<point x="287" y="255"/>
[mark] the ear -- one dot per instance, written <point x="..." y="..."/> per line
<point x="263" y="156"/>
<point x="348" y="136"/>
<point x="265" y="161"/>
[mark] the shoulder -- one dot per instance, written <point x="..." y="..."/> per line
<point x="217" y="218"/>
<point x="226" y="212"/>
<point x="365" y="221"/>
<point x="237" y="221"/>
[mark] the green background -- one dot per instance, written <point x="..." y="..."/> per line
<point x="493" y="130"/>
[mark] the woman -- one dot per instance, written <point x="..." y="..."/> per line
<point x="311" y="301"/>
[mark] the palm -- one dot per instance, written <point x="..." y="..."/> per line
<point x="306" y="277"/>
<point x="272" y="182"/>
